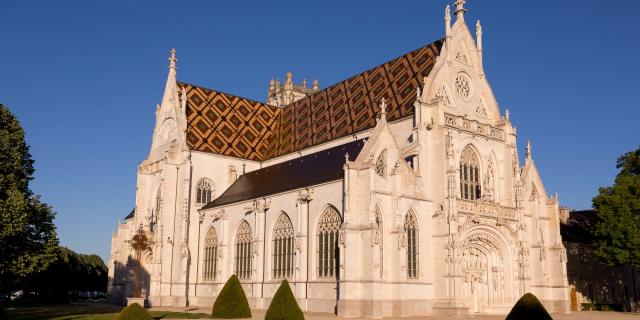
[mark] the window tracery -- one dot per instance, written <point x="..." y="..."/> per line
<point x="442" y="94"/>
<point x="243" y="251"/>
<point x="283" y="247"/>
<point x="463" y="86"/>
<point x="204" y="191"/>
<point x="381" y="164"/>
<point x="210" y="254"/>
<point x="411" y="229"/>
<point x="328" y="228"/>
<point x="469" y="174"/>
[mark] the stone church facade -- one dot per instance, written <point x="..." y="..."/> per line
<point x="397" y="192"/>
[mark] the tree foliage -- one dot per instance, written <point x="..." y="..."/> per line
<point x="69" y="274"/>
<point x="284" y="305"/>
<point x="27" y="234"/>
<point x="617" y="231"/>
<point x="231" y="302"/>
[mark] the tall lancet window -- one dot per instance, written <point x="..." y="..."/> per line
<point x="328" y="228"/>
<point x="210" y="254"/>
<point x="203" y="191"/>
<point x="283" y="247"/>
<point x="381" y="164"/>
<point x="243" y="251"/>
<point x="411" y="228"/>
<point x="469" y="174"/>
<point x="155" y="212"/>
<point x="378" y="233"/>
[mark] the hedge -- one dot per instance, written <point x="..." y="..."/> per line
<point x="231" y="303"/>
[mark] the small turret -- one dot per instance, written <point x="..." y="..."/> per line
<point x="283" y="94"/>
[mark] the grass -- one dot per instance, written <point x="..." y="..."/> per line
<point x="87" y="311"/>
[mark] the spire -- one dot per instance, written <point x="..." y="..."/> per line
<point x="316" y="85"/>
<point x="171" y="88"/>
<point x="460" y="10"/>
<point x="507" y="115"/>
<point x="527" y="153"/>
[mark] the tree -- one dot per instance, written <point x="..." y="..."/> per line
<point x="617" y="230"/>
<point x="27" y="234"/>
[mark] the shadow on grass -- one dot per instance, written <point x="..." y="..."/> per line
<point x="89" y="311"/>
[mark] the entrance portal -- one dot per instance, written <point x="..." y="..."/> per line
<point x="487" y="272"/>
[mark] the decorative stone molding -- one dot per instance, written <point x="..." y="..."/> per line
<point x="473" y="127"/>
<point x="486" y="209"/>
<point x="150" y="168"/>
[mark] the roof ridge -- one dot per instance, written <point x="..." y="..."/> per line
<point x="365" y="71"/>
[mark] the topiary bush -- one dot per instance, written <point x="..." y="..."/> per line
<point x="231" y="302"/>
<point x="528" y="308"/>
<point x="134" y="312"/>
<point x="284" y="305"/>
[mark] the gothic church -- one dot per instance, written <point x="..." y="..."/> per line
<point x="397" y="192"/>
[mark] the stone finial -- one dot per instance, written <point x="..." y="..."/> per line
<point x="272" y="84"/>
<point x="528" y="151"/>
<point x="418" y="93"/>
<point x="460" y="10"/>
<point x="507" y="114"/>
<point x="383" y="109"/>
<point x="346" y="157"/>
<point x="173" y="59"/>
<point x="478" y="35"/>
<point x="304" y="83"/>
<point x="289" y="77"/>
<point x="447" y="21"/>
<point x="316" y="85"/>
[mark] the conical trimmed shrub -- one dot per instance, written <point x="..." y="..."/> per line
<point x="134" y="312"/>
<point x="231" y="303"/>
<point x="528" y="308"/>
<point x="284" y="305"/>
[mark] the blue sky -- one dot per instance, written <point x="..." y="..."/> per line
<point x="84" y="77"/>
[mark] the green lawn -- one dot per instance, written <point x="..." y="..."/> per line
<point x="86" y="311"/>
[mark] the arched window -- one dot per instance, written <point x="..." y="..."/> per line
<point x="203" y="191"/>
<point x="283" y="247"/>
<point x="411" y="228"/>
<point x="469" y="174"/>
<point x="381" y="164"/>
<point x="328" y="227"/>
<point x="210" y="254"/>
<point x="243" y="251"/>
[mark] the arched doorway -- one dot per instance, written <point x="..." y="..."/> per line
<point x="488" y="272"/>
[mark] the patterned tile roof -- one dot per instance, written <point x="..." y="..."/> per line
<point x="225" y="124"/>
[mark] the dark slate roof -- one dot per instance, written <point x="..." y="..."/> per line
<point x="131" y="214"/>
<point x="226" y="124"/>
<point x="323" y="166"/>
<point x="578" y="226"/>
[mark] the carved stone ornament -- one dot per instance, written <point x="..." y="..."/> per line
<point x="463" y="86"/>
<point x="375" y="237"/>
<point x="342" y="238"/>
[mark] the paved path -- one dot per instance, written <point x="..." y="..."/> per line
<point x="582" y="315"/>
